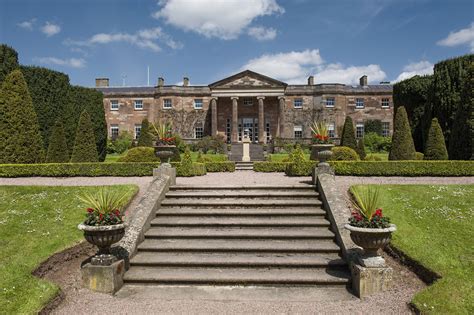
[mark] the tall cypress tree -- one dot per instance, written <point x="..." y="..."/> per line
<point x="85" y="149"/>
<point x="435" y="145"/>
<point x="403" y="147"/>
<point x="145" y="139"/>
<point x="348" y="138"/>
<point x="361" y="149"/>
<point x="8" y="61"/>
<point x="57" y="148"/>
<point x="20" y="138"/>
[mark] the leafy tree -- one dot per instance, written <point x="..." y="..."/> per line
<point x="57" y="148"/>
<point x="145" y="139"/>
<point x="361" y="149"/>
<point x="435" y="145"/>
<point x="403" y="147"/>
<point x="373" y="125"/>
<point x="85" y="149"/>
<point x="348" y="138"/>
<point x="20" y="138"/>
<point x="8" y="61"/>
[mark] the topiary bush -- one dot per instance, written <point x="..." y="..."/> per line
<point x="375" y="143"/>
<point x="146" y="138"/>
<point x="348" y="138"/>
<point x="185" y="168"/>
<point x="269" y="167"/>
<point x="140" y="154"/>
<point x="20" y="137"/>
<point x="341" y="153"/>
<point x="57" y="150"/>
<point x="402" y="141"/>
<point x="85" y="149"/>
<point x="8" y="61"/>
<point x="435" y="145"/>
<point x="213" y="167"/>
<point x="298" y="165"/>
<point x="361" y="149"/>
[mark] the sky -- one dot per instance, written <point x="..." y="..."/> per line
<point x="336" y="41"/>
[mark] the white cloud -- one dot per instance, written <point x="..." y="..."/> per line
<point x="416" y="68"/>
<point x="146" y="38"/>
<point x="461" y="37"/>
<point x="71" y="62"/>
<point x="294" y="68"/>
<point x="261" y="33"/>
<point x="50" y="29"/>
<point x="27" y="25"/>
<point x="225" y="19"/>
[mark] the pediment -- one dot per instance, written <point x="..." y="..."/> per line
<point x="247" y="79"/>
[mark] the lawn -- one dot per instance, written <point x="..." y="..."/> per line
<point x="382" y="156"/>
<point x="436" y="228"/>
<point x="279" y="157"/>
<point x="213" y="157"/>
<point x="36" y="222"/>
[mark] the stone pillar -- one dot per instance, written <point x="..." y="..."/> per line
<point x="281" y="116"/>
<point x="261" y="120"/>
<point x="235" y="120"/>
<point x="213" y="117"/>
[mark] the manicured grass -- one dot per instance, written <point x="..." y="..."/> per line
<point x="36" y="222"/>
<point x="382" y="156"/>
<point x="212" y="157"/>
<point x="436" y="228"/>
<point x="279" y="157"/>
<point x="113" y="157"/>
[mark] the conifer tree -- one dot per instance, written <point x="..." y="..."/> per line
<point x="8" y="60"/>
<point x="435" y="145"/>
<point x="348" y="138"/>
<point x="145" y="139"/>
<point x="20" y="138"/>
<point x="361" y="149"/>
<point x="85" y="149"/>
<point x="403" y="147"/>
<point x="57" y="148"/>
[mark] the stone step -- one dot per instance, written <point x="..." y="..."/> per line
<point x="239" y="245"/>
<point x="241" y="202"/>
<point x="238" y="194"/>
<point x="240" y="233"/>
<point x="242" y="221"/>
<point x="261" y="211"/>
<point x="237" y="260"/>
<point x="237" y="276"/>
<point x="246" y="188"/>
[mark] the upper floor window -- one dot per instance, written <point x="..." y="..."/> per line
<point x="198" y="103"/>
<point x="248" y="102"/>
<point x="385" y="128"/>
<point x="138" y="130"/>
<point x="167" y="103"/>
<point x="114" y="105"/>
<point x="385" y="102"/>
<point x="360" y="130"/>
<point x="359" y="103"/>
<point x="332" y="130"/>
<point x="298" y="103"/>
<point x="138" y="104"/>
<point x="114" y="131"/>
<point x="298" y="132"/>
<point x="330" y="101"/>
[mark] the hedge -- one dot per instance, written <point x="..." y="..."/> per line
<point x="269" y="167"/>
<point x="300" y="169"/>
<point x="227" y="166"/>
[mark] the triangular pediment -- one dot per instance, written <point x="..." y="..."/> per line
<point x="247" y="79"/>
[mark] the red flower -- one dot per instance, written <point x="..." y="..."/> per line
<point x="90" y="210"/>
<point x="101" y="217"/>
<point x="378" y="213"/>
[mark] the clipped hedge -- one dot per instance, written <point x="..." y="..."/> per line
<point x="214" y="167"/>
<point x="300" y="169"/>
<point x="403" y="168"/>
<point x="269" y="167"/>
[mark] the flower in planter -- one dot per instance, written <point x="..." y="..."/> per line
<point x="320" y="133"/>
<point x="367" y="214"/>
<point x="164" y="132"/>
<point x="104" y="207"/>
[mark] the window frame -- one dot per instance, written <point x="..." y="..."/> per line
<point x="201" y="132"/>
<point x="382" y="102"/>
<point x="135" y="131"/>
<point x="170" y="105"/>
<point x="295" y="130"/>
<point x="114" y="108"/>
<point x="135" y="104"/>
<point x="333" y="102"/>
<point x="201" y="101"/>
<point x="248" y="101"/>
<point x="362" y="101"/>
<point x="333" y="130"/>
<point x="112" y="128"/>
<point x="298" y="100"/>
<point x="360" y="124"/>
<point x="385" y="132"/>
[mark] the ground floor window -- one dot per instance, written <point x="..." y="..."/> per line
<point x="298" y="132"/>
<point x="114" y="131"/>
<point x="332" y="130"/>
<point x="228" y="131"/>
<point x="360" y="130"/>
<point x="138" y="130"/>
<point x="198" y="132"/>
<point x="385" y="128"/>
<point x="267" y="132"/>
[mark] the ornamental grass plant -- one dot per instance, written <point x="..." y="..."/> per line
<point x="367" y="213"/>
<point x="104" y="207"/>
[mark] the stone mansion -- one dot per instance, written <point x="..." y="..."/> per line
<point x="247" y="103"/>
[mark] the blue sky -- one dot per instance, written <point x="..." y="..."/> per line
<point x="207" y="40"/>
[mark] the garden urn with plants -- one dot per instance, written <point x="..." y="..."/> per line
<point x="166" y="143"/>
<point x="104" y="224"/>
<point x="368" y="227"/>
<point x="321" y="143"/>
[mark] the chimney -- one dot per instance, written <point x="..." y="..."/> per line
<point x="310" y="80"/>
<point x="185" y="81"/>
<point x="161" y="81"/>
<point x="363" y="80"/>
<point x="102" y="82"/>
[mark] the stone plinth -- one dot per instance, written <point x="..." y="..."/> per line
<point x="246" y="149"/>
<point x="104" y="279"/>
<point x="165" y="170"/>
<point x="367" y="281"/>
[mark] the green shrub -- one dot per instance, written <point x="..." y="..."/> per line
<point x="373" y="126"/>
<point x="139" y="154"/>
<point x="196" y="169"/>
<point x="20" y="137"/>
<point x="214" y="144"/>
<point x="298" y="166"/>
<point x="85" y="149"/>
<point x="372" y="157"/>
<point x="403" y="168"/>
<point x="361" y="149"/>
<point x="146" y="138"/>
<point x="376" y="143"/>
<point x="348" y="138"/>
<point x="435" y="145"/>
<point x="343" y="154"/>
<point x="213" y="167"/>
<point x="185" y="168"/>
<point x="57" y="149"/>
<point x="402" y="141"/>
<point x="269" y="167"/>
<point x="419" y="156"/>
<point x="8" y="61"/>
<point x="122" y="143"/>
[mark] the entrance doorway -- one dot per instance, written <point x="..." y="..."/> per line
<point x="248" y="126"/>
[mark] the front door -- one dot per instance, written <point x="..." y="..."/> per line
<point x="248" y="126"/>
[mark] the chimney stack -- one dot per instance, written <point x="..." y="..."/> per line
<point x="363" y="80"/>
<point x="102" y="82"/>
<point x="185" y="81"/>
<point x="310" y="80"/>
<point x="161" y="81"/>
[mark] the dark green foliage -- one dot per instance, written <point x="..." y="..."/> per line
<point x="145" y="139"/>
<point x="85" y="149"/>
<point x="298" y="166"/>
<point x="57" y="148"/>
<point x="227" y="166"/>
<point x="373" y="126"/>
<point x="121" y="144"/>
<point x="140" y="154"/>
<point x="344" y="154"/>
<point x="8" y="61"/>
<point x="215" y="144"/>
<point x="20" y="138"/>
<point x="348" y="138"/>
<point x="361" y="149"/>
<point x="375" y="143"/>
<point x="402" y="141"/>
<point x="269" y="167"/>
<point x="435" y="146"/>
<point x="185" y="168"/>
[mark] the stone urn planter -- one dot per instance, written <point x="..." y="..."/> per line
<point x="323" y="156"/>
<point x="103" y="237"/>
<point x="316" y="148"/>
<point x="164" y="152"/>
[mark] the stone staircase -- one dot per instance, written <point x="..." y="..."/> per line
<point x="244" y="166"/>
<point x="255" y="152"/>
<point x="251" y="236"/>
